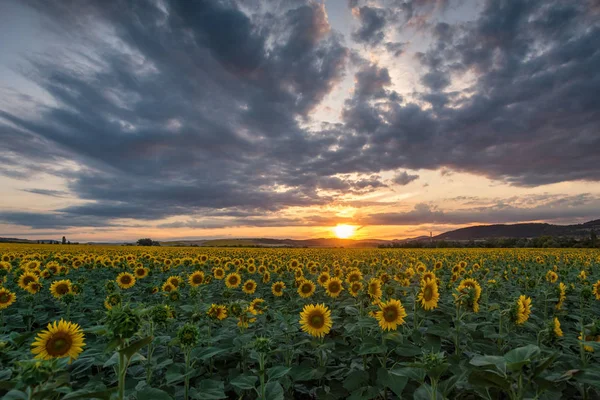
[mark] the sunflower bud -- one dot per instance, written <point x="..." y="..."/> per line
<point x="188" y="335"/>
<point x="123" y="322"/>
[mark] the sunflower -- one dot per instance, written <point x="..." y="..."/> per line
<point x="468" y="293"/>
<point x="6" y="298"/>
<point x="374" y="288"/>
<point x="34" y="287"/>
<point x="355" y="288"/>
<point x="562" y="295"/>
<point x="277" y="288"/>
<point x="125" y="280"/>
<point x="196" y="278"/>
<point x="523" y="309"/>
<point x="175" y="280"/>
<point x="249" y="286"/>
<point x="60" y="288"/>
<point x="551" y="276"/>
<point x="390" y="315"/>
<point x="26" y="278"/>
<point x="217" y="311"/>
<point x="589" y="338"/>
<point x="334" y="287"/>
<point x="251" y="269"/>
<point x="233" y="280"/>
<point x="323" y="278"/>
<point x="266" y="277"/>
<point x="141" y="272"/>
<point x="5" y="266"/>
<point x="556" y="328"/>
<point x="428" y="275"/>
<point x="354" y="276"/>
<point x="219" y="273"/>
<point x="167" y="287"/>
<point x="596" y="290"/>
<point x="315" y="319"/>
<point x="306" y="288"/>
<point x="256" y="306"/>
<point x="429" y="295"/>
<point x="60" y="339"/>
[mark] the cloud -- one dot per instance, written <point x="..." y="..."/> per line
<point x="47" y="192"/>
<point x="580" y="208"/>
<point x="372" y="23"/>
<point x="404" y="178"/>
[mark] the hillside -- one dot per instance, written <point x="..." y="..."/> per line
<point x="529" y="230"/>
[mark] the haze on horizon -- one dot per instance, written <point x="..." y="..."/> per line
<point x="210" y="119"/>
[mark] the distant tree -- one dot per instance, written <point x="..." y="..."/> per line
<point x="593" y="238"/>
<point x="69" y="242"/>
<point x="64" y="240"/>
<point x="147" y="242"/>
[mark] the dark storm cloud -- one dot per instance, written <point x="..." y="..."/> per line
<point x="199" y="107"/>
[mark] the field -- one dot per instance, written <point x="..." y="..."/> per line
<point x="208" y="323"/>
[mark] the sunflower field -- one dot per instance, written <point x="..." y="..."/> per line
<point x="97" y="322"/>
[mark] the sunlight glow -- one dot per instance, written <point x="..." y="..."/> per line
<point x="344" y="231"/>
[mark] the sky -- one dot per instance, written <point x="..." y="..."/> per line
<point x="263" y="118"/>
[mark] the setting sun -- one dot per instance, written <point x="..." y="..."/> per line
<point x="344" y="231"/>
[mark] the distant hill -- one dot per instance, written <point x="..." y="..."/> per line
<point x="268" y="242"/>
<point x="520" y="231"/>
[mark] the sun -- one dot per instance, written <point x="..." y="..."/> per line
<point x="344" y="231"/>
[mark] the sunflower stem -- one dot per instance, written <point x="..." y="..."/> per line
<point x="187" y="377"/>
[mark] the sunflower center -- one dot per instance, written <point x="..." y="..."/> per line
<point x="126" y="280"/>
<point x="62" y="289"/>
<point x="59" y="345"/>
<point x="197" y="279"/>
<point x="390" y="314"/>
<point x="4" y="298"/>
<point x="334" y="287"/>
<point x="27" y="280"/>
<point x="317" y="321"/>
<point x="306" y="288"/>
<point x="427" y="293"/>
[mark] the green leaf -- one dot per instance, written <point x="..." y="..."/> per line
<point x="113" y="360"/>
<point x="175" y="373"/>
<point x="209" y="352"/>
<point x="277" y="372"/>
<point x="486" y="379"/>
<point x="136" y="346"/>
<point x="244" y="382"/>
<point x="408" y="350"/>
<point x="273" y="391"/>
<point x="149" y="393"/>
<point x="301" y="373"/>
<point x="417" y="374"/>
<point x="356" y="380"/>
<point x="488" y="361"/>
<point x="544" y="364"/>
<point x="520" y="356"/>
<point x="87" y="394"/>
<point x="371" y="348"/>
<point x="210" y="389"/>
<point x="15" y="395"/>
<point x="395" y="383"/>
